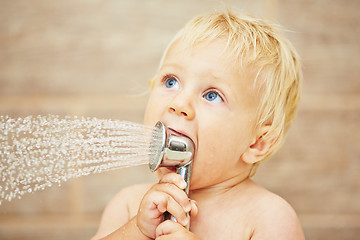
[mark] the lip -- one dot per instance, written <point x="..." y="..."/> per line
<point x="171" y="169"/>
<point x="179" y="132"/>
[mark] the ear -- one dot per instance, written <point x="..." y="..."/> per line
<point x="260" y="146"/>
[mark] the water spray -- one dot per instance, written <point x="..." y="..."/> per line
<point x="39" y="152"/>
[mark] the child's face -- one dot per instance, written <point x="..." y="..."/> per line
<point x="199" y="92"/>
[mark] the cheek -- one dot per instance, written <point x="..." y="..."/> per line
<point x="213" y="156"/>
<point x="152" y="111"/>
<point x="225" y="139"/>
<point x="148" y="116"/>
<point x="218" y="154"/>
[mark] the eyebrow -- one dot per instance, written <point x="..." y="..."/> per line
<point x="172" y="65"/>
<point x="178" y="66"/>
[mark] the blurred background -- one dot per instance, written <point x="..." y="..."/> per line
<point x="93" y="58"/>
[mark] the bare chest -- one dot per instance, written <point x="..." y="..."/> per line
<point x="222" y="223"/>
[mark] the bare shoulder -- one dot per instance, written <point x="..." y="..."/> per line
<point x="276" y="218"/>
<point x="122" y="207"/>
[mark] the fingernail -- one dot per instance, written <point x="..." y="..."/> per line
<point x="186" y="221"/>
<point x="182" y="185"/>
<point x="196" y="204"/>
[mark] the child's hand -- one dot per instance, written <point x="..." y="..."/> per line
<point x="170" y="230"/>
<point x="167" y="195"/>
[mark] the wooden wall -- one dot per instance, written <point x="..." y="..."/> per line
<point x="93" y="58"/>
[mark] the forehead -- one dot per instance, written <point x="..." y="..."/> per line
<point x="213" y="47"/>
<point x="212" y="62"/>
<point x="211" y="56"/>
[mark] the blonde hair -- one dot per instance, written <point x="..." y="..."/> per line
<point x="259" y="44"/>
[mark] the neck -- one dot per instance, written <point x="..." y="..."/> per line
<point x="224" y="187"/>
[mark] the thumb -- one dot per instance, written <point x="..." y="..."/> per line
<point x="194" y="208"/>
<point x="167" y="227"/>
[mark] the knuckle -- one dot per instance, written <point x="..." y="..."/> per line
<point x="170" y="186"/>
<point x="170" y="178"/>
<point x="153" y="188"/>
<point x="167" y="184"/>
<point x="151" y="194"/>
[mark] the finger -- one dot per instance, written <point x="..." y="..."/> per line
<point x="177" y="194"/>
<point x="164" y="202"/>
<point x="177" y="211"/>
<point x="167" y="227"/>
<point x="155" y="200"/>
<point x="174" y="178"/>
<point x="194" y="208"/>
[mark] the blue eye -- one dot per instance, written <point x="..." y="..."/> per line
<point x="213" y="97"/>
<point x="171" y="83"/>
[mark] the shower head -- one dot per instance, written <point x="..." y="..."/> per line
<point x="176" y="150"/>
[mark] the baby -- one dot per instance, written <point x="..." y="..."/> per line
<point x="231" y="84"/>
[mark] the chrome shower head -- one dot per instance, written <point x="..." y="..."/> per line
<point x="176" y="150"/>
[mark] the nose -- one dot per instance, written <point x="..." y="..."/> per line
<point x="182" y="106"/>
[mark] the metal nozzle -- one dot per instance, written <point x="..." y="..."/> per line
<point x="175" y="151"/>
